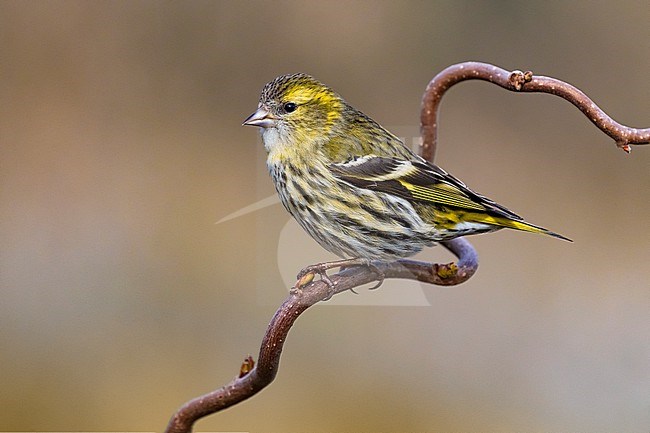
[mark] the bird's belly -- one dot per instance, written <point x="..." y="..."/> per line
<point x="351" y="222"/>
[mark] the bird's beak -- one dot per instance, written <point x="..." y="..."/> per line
<point x="262" y="118"/>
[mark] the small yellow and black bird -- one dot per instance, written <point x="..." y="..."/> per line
<point x="354" y="186"/>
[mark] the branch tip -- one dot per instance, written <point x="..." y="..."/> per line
<point x="625" y="145"/>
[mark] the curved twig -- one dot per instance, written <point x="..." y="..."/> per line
<point x="253" y="378"/>
<point x="517" y="81"/>
<point x="251" y="381"/>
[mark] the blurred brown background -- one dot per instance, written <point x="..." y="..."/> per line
<point x="121" y="147"/>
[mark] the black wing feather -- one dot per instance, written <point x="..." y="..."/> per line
<point x="416" y="181"/>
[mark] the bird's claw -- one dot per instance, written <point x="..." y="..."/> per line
<point x="379" y="273"/>
<point x="307" y="274"/>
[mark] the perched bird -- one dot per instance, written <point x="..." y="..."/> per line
<point x="354" y="186"/>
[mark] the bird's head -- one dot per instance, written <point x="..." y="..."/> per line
<point x="296" y="108"/>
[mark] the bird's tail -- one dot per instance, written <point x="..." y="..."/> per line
<point x="523" y="226"/>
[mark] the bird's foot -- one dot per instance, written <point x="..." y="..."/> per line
<point x="307" y="274"/>
<point x="380" y="274"/>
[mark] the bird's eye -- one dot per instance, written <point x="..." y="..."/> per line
<point x="289" y="107"/>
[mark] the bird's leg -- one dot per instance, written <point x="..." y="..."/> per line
<point x="306" y="275"/>
<point x="379" y="273"/>
<point x="374" y="268"/>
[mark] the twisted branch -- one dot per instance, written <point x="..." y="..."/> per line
<point x="253" y="378"/>
<point x="517" y="81"/>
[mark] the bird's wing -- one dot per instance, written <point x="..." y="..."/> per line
<point x="416" y="181"/>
